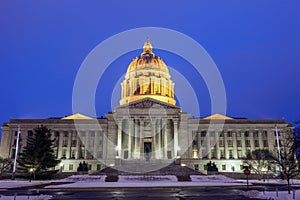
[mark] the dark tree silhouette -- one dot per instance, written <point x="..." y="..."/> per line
<point x="287" y="161"/>
<point x="260" y="161"/>
<point x="38" y="155"/>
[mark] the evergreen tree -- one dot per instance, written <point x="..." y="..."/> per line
<point x="38" y="155"/>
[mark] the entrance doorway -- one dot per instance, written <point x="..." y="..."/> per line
<point x="147" y="150"/>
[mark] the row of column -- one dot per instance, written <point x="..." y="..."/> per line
<point x="225" y="146"/>
<point x="160" y="139"/>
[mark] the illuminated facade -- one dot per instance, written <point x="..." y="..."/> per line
<point x="148" y="128"/>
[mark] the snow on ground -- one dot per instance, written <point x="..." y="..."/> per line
<point x="282" y="195"/>
<point x="19" y="183"/>
<point x="41" y="197"/>
<point x="149" y="181"/>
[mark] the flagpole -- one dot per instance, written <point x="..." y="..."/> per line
<point x="278" y="147"/>
<point x="16" y="153"/>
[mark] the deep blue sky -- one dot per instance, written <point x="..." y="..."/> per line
<point x="254" y="43"/>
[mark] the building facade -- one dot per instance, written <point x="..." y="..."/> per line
<point x="148" y="128"/>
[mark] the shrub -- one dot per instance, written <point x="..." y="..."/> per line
<point x="183" y="178"/>
<point x="111" y="178"/>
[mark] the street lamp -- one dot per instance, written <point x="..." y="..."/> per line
<point x="31" y="171"/>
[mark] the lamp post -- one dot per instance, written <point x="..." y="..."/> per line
<point x="30" y="176"/>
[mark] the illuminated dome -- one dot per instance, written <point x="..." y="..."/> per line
<point x="147" y="76"/>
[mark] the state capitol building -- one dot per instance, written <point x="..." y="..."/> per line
<point x="147" y="127"/>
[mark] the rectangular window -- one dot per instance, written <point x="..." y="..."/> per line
<point x="229" y="134"/>
<point x="99" y="154"/>
<point x="265" y="143"/>
<point x="238" y="134"/>
<point x="239" y="143"/>
<point x="203" y="133"/>
<point x="224" y="167"/>
<point x="30" y="133"/>
<point x="247" y="142"/>
<point x="265" y="134"/>
<point x="239" y="152"/>
<point x="255" y="134"/>
<point x="229" y="142"/>
<point x="73" y="154"/>
<point x="230" y="154"/>
<point x="64" y="152"/>
<point x="70" y="167"/>
<point x="98" y="167"/>
<point x="213" y="154"/>
<point x="247" y="134"/>
<point x="90" y="167"/>
<point x="65" y="142"/>
<point x="65" y="134"/>
<point x="275" y="133"/>
<point x="221" y="143"/>
<point x="169" y="154"/>
<point x="256" y="143"/>
<point x="222" y="154"/>
<point x="74" y="142"/>
<point x="196" y="166"/>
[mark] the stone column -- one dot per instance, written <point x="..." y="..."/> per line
<point x="199" y="144"/>
<point x="154" y="139"/>
<point x="208" y="145"/>
<point x="175" y="138"/>
<point x="217" y="149"/>
<point x="87" y="143"/>
<point x="165" y="139"/>
<point x="141" y="138"/>
<point x="243" y="143"/>
<point x="78" y="146"/>
<point x="260" y="140"/>
<point x="251" y="138"/>
<point x="96" y="144"/>
<point x="235" y="154"/>
<point x="119" y="141"/>
<point x="136" y="137"/>
<point x="60" y="144"/>
<point x="226" y="151"/>
<point x="130" y="130"/>
<point x="68" y="155"/>
<point x="159" y="139"/>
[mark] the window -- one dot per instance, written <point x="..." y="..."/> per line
<point x="247" y="142"/>
<point x="239" y="152"/>
<point x="98" y="167"/>
<point x="265" y="134"/>
<point x="229" y="142"/>
<point x="256" y="143"/>
<point x="224" y="167"/>
<point x="30" y="133"/>
<point x="203" y="133"/>
<point x="70" y="167"/>
<point x="229" y="134"/>
<point x="222" y="154"/>
<point x="196" y="166"/>
<point x="265" y="143"/>
<point x="90" y="167"/>
<point x="255" y="134"/>
<point x="65" y="134"/>
<point x="239" y="143"/>
<point x="74" y="142"/>
<point x="239" y="134"/>
<point x="73" y="154"/>
<point x="221" y="143"/>
<point x="230" y="154"/>
<point x="64" y="152"/>
<point x="246" y="133"/>
<point x="65" y="142"/>
<point x="279" y="142"/>
<point x="232" y="168"/>
<point x="222" y="134"/>
<point x="213" y="154"/>
<point x="194" y="143"/>
<point x="56" y="133"/>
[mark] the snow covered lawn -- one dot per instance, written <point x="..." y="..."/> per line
<point x="282" y="195"/>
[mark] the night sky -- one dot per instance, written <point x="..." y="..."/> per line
<point x="255" y="45"/>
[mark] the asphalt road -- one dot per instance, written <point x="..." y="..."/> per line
<point x="144" y="194"/>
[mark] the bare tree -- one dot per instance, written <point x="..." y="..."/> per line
<point x="287" y="160"/>
<point x="5" y="165"/>
<point x="260" y="161"/>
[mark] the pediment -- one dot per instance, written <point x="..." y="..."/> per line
<point x="148" y="103"/>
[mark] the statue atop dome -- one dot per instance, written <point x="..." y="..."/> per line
<point x="147" y="76"/>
